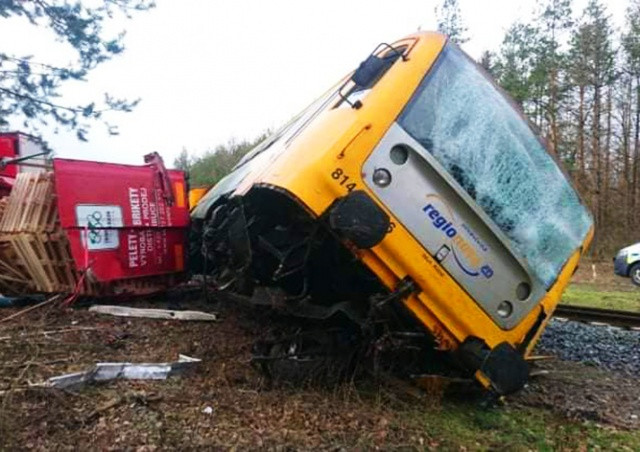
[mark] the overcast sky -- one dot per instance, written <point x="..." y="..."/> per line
<point x="211" y="70"/>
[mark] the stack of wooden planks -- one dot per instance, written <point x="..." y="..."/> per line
<point x="34" y="249"/>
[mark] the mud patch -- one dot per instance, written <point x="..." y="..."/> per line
<point x="580" y="392"/>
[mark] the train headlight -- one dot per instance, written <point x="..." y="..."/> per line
<point x="523" y="291"/>
<point x="505" y="309"/>
<point x="381" y="177"/>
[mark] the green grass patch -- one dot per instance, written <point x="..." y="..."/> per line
<point x="461" y="427"/>
<point x="584" y="294"/>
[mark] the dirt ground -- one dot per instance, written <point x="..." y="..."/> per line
<point x="601" y="275"/>
<point x="226" y="403"/>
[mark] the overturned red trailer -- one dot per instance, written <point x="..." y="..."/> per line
<point x="95" y="228"/>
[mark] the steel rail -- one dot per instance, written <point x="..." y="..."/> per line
<point x="626" y="319"/>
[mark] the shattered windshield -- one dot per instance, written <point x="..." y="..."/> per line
<point x="463" y="120"/>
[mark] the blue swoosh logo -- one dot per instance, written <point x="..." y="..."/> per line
<point x="468" y="272"/>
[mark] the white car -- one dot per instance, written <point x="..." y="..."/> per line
<point x="627" y="263"/>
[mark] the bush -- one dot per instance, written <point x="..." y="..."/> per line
<point x="213" y="165"/>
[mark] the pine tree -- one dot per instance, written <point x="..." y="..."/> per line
<point x="450" y="21"/>
<point x="488" y="62"/>
<point x="29" y="89"/>
<point x="182" y="161"/>
<point x="631" y="137"/>
<point x="585" y="98"/>
<point x="553" y="21"/>
<point x="594" y="73"/>
<point x="515" y="65"/>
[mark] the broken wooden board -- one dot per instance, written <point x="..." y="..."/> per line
<point x="164" y="314"/>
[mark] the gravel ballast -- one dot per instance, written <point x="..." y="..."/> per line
<point x="608" y="347"/>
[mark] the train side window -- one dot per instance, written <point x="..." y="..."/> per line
<point x="368" y="73"/>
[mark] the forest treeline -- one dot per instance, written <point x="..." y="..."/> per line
<point x="206" y="170"/>
<point x="577" y="77"/>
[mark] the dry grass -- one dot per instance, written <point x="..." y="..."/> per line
<point x="245" y="411"/>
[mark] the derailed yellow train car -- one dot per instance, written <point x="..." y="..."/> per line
<point x="414" y="202"/>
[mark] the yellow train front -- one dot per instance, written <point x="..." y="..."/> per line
<point x="412" y="201"/>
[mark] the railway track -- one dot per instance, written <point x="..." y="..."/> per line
<point x="625" y="319"/>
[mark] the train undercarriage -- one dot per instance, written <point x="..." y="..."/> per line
<point x="336" y="320"/>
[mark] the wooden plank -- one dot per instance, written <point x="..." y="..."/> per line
<point x="165" y="314"/>
<point x="32" y="262"/>
<point x="35" y="251"/>
<point x="26" y="204"/>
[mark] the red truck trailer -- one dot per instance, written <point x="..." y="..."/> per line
<point x="95" y="228"/>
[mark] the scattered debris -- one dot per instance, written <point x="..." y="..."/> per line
<point x="104" y="407"/>
<point x="12" y="302"/>
<point x="124" y="311"/>
<point x="250" y="413"/>
<point x="135" y="396"/>
<point x="6" y="302"/>
<point x="48" y="333"/>
<point x="128" y="371"/>
<point x="30" y="308"/>
<point x="538" y="373"/>
<point x="540" y="358"/>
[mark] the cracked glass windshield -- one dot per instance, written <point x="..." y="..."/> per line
<point x="463" y="120"/>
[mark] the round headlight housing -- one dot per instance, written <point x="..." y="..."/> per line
<point x="505" y="309"/>
<point x="381" y="177"/>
